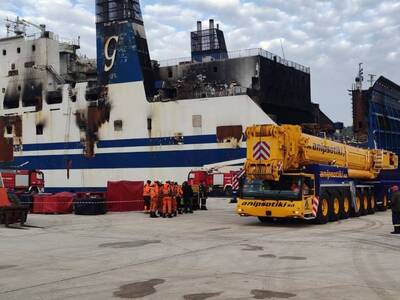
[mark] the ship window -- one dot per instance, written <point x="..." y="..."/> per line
<point x="18" y="50"/>
<point x="118" y="125"/>
<point x="13" y="73"/>
<point x="12" y="66"/>
<point x="54" y="97"/>
<point x="196" y="120"/>
<point x="149" y="124"/>
<point x="4" y="52"/>
<point x="9" y="129"/>
<point x="19" y="88"/>
<point x="3" y="90"/>
<point x="29" y="64"/>
<point x="170" y="74"/>
<point x="39" y="129"/>
<point x="33" y="48"/>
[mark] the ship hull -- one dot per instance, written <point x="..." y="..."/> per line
<point x="137" y="152"/>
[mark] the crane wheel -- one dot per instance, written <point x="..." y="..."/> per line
<point x="364" y="203"/>
<point x="355" y="212"/>
<point x="385" y="202"/>
<point x="334" y="212"/>
<point x="345" y="205"/>
<point x="323" y="209"/>
<point x="372" y="203"/>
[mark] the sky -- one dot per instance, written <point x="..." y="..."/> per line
<point x="331" y="37"/>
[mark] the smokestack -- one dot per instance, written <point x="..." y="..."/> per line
<point x="199" y="26"/>
<point x="211" y="23"/>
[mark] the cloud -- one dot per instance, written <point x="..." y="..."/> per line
<point x="330" y="36"/>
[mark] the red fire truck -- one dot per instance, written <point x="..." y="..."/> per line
<point x="23" y="180"/>
<point x="217" y="183"/>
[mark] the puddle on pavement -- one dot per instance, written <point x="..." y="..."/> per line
<point x="3" y="267"/>
<point x="293" y="257"/>
<point x="132" y="244"/>
<point x="264" y="294"/>
<point x="252" y="248"/>
<point x="267" y="256"/>
<point x="219" y="229"/>
<point x="138" y="289"/>
<point x="201" y="296"/>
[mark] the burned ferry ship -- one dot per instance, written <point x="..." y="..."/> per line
<point x="127" y="117"/>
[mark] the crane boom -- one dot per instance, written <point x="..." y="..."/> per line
<point x="272" y="150"/>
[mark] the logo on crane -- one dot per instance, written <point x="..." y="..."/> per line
<point x="261" y="150"/>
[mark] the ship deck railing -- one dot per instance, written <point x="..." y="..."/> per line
<point x="238" y="54"/>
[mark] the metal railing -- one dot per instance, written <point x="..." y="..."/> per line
<point x="238" y="54"/>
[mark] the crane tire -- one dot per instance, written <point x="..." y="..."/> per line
<point x="345" y="205"/>
<point x="334" y="207"/>
<point x="364" y="203"/>
<point x="355" y="212"/>
<point x="372" y="203"/>
<point x="385" y="202"/>
<point x="323" y="209"/>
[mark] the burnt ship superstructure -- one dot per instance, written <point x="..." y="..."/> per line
<point x="85" y="122"/>
<point x="280" y="87"/>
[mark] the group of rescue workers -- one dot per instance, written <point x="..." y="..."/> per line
<point x="170" y="199"/>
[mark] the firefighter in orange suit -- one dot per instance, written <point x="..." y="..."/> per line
<point x="167" y="200"/>
<point x="154" y="194"/>
<point x="146" y="196"/>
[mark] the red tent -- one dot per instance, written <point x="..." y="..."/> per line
<point x="125" y="196"/>
<point x="60" y="203"/>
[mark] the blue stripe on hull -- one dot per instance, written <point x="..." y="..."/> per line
<point x="156" y="159"/>
<point x="163" y="141"/>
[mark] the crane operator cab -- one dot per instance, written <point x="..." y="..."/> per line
<point x="290" y="197"/>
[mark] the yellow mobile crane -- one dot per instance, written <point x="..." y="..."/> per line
<point x="290" y="174"/>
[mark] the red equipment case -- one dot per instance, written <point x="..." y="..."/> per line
<point x="60" y="203"/>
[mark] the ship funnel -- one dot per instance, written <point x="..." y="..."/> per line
<point x="122" y="50"/>
<point x="208" y="44"/>
<point x="211" y="24"/>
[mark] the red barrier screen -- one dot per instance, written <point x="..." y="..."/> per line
<point x="125" y="196"/>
